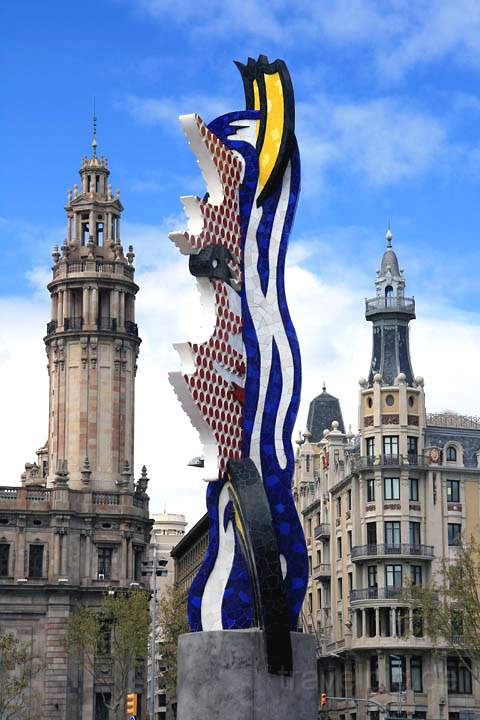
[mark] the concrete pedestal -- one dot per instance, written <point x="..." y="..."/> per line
<point x="222" y="676"/>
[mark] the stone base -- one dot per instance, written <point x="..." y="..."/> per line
<point x="222" y="675"/>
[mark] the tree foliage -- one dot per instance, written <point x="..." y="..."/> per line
<point x="450" y="606"/>
<point x="112" y="641"/>
<point x="172" y="622"/>
<point x="19" y="664"/>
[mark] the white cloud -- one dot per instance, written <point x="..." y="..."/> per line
<point x="327" y="309"/>
<point x="399" y="33"/>
<point x="386" y="140"/>
<point x="166" y="110"/>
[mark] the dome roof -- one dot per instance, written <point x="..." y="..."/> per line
<point x="324" y="409"/>
<point x="390" y="259"/>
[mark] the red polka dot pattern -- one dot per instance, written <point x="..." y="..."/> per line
<point x="213" y="393"/>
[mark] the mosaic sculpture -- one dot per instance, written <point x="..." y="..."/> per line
<point x="241" y="386"/>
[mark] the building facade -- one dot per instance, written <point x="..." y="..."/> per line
<point x="79" y="524"/>
<point x="168" y="529"/>
<point x="383" y="509"/>
<point x="188" y="554"/>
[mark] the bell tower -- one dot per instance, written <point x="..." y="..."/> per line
<point x="92" y="340"/>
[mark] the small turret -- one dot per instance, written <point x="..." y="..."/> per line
<point x="390" y="312"/>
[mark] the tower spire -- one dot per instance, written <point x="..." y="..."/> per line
<point x="94" y="139"/>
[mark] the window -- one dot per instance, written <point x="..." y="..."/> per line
<point x="417" y="622"/>
<point x="349" y="499"/>
<point x="370" y="490"/>
<point x="137" y="564"/>
<point x="397" y="673"/>
<point x="391" y="488"/>
<point x="339" y="506"/>
<point x="416" y="673"/>
<point x="388" y="295"/>
<point x="372" y="576"/>
<point x="414" y="533"/>
<point x="89" y="183"/>
<point x="370" y="442"/>
<point x="97" y="183"/>
<point x="162" y="699"/>
<point x="310" y="564"/>
<point x="371" y="533"/>
<point x="390" y="400"/>
<point x="414" y="489"/>
<point x="339" y="548"/>
<point x="390" y="445"/>
<point x="453" y="491"/>
<point x="310" y="602"/>
<point x="392" y="533"/>
<point x="373" y="674"/>
<point x="451" y="454"/>
<point x="350" y="582"/>
<point x="349" y="540"/>
<point x="105" y="563"/>
<point x="99" y="233"/>
<point x="416" y="571"/>
<point x="307" y="463"/>
<point x="412" y="445"/>
<point x="340" y="589"/>
<point x="393" y="576"/>
<point x="454" y="533"/>
<point x="4" y="557"/>
<point x="459" y="675"/>
<point x="35" y="561"/>
<point x="319" y="597"/>
<point x="102" y="702"/>
<point x="85" y="232"/>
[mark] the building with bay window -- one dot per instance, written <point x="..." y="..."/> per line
<point x="382" y="510"/>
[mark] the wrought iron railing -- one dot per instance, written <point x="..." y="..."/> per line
<point x="376" y="593"/>
<point x="72" y="323"/>
<point x="412" y="550"/>
<point x="446" y="419"/>
<point x="51" y="327"/>
<point x="370" y="461"/>
<point x="131" y="328"/>
<point x="107" y="323"/>
<point x="389" y="304"/>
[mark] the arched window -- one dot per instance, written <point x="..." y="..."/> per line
<point x="452" y="453"/>
<point x="388" y="295"/>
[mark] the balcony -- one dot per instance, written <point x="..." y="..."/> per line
<point x="361" y="552"/>
<point x="107" y="323"/>
<point x="92" y="266"/>
<point x="381" y="305"/>
<point x="321" y="531"/>
<point x="322" y="571"/>
<point x="376" y="593"/>
<point x="72" y="323"/>
<point x="397" y="461"/>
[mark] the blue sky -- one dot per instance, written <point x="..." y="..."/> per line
<point x="388" y="122"/>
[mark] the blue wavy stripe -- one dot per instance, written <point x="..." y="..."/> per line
<point x="237" y="604"/>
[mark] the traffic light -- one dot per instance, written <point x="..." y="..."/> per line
<point x="131" y="704"/>
<point x="323" y="699"/>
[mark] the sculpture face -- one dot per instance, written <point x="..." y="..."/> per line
<point x="241" y="385"/>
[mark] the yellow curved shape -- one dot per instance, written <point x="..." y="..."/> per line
<point x="275" y="118"/>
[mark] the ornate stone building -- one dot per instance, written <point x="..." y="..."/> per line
<point x="79" y="524"/>
<point x="382" y="509"/>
